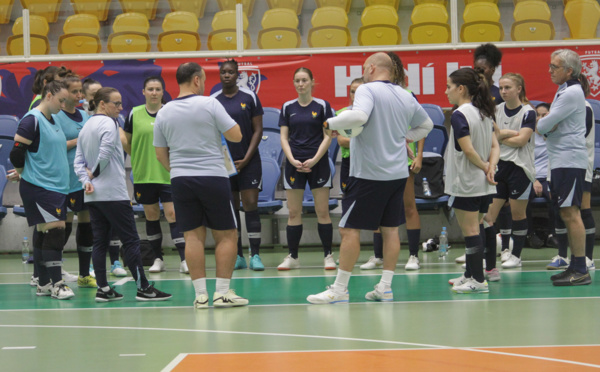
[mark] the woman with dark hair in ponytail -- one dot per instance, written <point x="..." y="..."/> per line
<point x="470" y="167"/>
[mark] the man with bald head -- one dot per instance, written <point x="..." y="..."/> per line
<point x="378" y="171"/>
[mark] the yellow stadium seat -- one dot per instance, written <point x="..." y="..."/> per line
<point x="130" y="34"/>
<point x="481" y="11"/>
<point x="467" y="2"/>
<point x="379" y="26"/>
<point x="532" y="29"/>
<point x="393" y="3"/>
<point x="481" y="32"/>
<point x="582" y="17"/>
<point x="223" y="35"/>
<point x="345" y="4"/>
<point x="180" y="33"/>
<point x="532" y="9"/>
<point x="247" y="5"/>
<point x="193" y="6"/>
<point x="81" y="35"/>
<point x="99" y="8"/>
<point x="329" y="28"/>
<point x="280" y="29"/>
<point x="295" y="5"/>
<point x="430" y="24"/>
<point x="38" y="40"/>
<point x="45" y="8"/>
<point x="147" y="7"/>
<point x="431" y="12"/>
<point x="420" y="2"/>
<point x="5" y="10"/>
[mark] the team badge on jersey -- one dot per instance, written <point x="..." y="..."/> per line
<point x="591" y="69"/>
<point x="58" y="210"/>
<point x="243" y="105"/>
<point x="314" y="114"/>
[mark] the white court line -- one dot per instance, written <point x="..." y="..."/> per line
<point x="123" y="281"/>
<point x="172" y="364"/>
<point x="131" y="355"/>
<point x="18" y="348"/>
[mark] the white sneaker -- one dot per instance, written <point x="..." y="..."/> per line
<point x="92" y="272"/>
<point x="505" y="255"/>
<point x="229" y="299"/>
<point x="329" y="262"/>
<point x="61" y="291"/>
<point x="380" y="294"/>
<point x="34" y="281"/>
<point x="458" y="281"/>
<point x="157" y="266"/>
<point x="45" y="290"/>
<point x="289" y="263"/>
<point x="461" y="259"/>
<point x="183" y="268"/>
<point x="590" y="264"/>
<point x="512" y="262"/>
<point x="68" y="277"/>
<point x="413" y="263"/>
<point x="373" y="263"/>
<point x="201" y="301"/>
<point x="328" y="297"/>
<point x="472" y="286"/>
<point x="117" y="269"/>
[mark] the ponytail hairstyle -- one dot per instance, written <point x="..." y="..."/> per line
<point x="585" y="85"/>
<point x="43" y="77"/>
<point x="399" y="77"/>
<point x="477" y="89"/>
<point x="232" y="62"/>
<point x="70" y="79"/>
<point x="102" y="95"/>
<point x="87" y="82"/>
<point x="53" y="87"/>
<point x="519" y="81"/>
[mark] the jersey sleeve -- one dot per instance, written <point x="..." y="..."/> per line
<point x="258" y="109"/>
<point x="363" y="100"/>
<point x="589" y="120"/>
<point x="283" y="118"/>
<point x="28" y="128"/>
<point x="459" y="125"/>
<point x="529" y="120"/>
<point x="128" y="127"/>
<point x="329" y="112"/>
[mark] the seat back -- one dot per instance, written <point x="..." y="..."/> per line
<point x="3" y="182"/>
<point x="344" y="4"/>
<point x="329" y="16"/>
<point x="532" y="29"/>
<point x="8" y="126"/>
<point x="180" y="21"/>
<point x="271" y="171"/>
<point x="393" y="3"/>
<point x="436" y="140"/>
<point x="481" y="11"/>
<point x="295" y="5"/>
<point x="193" y="6"/>
<point x="39" y="44"/>
<point x="379" y="14"/>
<point x="225" y="20"/>
<point x="279" y="17"/>
<point x="597" y="136"/>
<point x="146" y="7"/>
<point x="429" y="33"/>
<point x="5" y="10"/>
<point x="38" y="26"/>
<point x="247" y="5"/>
<point x="131" y="22"/>
<point x="435" y="112"/>
<point x="532" y="9"/>
<point x="430" y="12"/>
<point x="45" y="8"/>
<point x="82" y="23"/>
<point x="99" y="8"/>
<point x="271" y="118"/>
<point x="582" y="17"/>
<point x="6" y="145"/>
<point x="270" y="145"/>
<point x="481" y="32"/>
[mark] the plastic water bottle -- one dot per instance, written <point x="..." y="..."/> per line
<point x="443" y="243"/>
<point x="426" y="189"/>
<point x="25" y="250"/>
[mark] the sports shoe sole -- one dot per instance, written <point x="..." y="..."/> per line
<point x="108" y="299"/>
<point x="147" y="299"/>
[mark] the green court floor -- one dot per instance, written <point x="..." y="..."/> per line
<point x="522" y="310"/>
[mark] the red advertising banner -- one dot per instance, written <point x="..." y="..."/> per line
<point x="271" y="76"/>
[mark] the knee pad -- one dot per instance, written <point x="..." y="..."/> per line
<point x="54" y="239"/>
<point x="84" y="235"/>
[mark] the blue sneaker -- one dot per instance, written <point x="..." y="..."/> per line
<point x="256" y="263"/>
<point x="117" y="270"/>
<point x="558" y="263"/>
<point x="240" y="263"/>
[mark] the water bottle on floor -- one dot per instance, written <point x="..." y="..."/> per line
<point x="443" y="244"/>
<point x="25" y="250"/>
<point x="426" y="189"/>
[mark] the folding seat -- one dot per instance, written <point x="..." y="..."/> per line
<point x="130" y="34"/>
<point x="482" y="23"/>
<point x="193" y="6"/>
<point x="532" y="21"/>
<point x="180" y="33"/>
<point x="295" y="5"/>
<point x="430" y="24"/>
<point x="443" y="2"/>
<point x="81" y="35"/>
<point x="280" y="29"/>
<point x="223" y="35"/>
<point x="99" y="8"/>
<point x="582" y="17"/>
<point x="247" y="5"/>
<point x="393" y="3"/>
<point x="379" y="26"/>
<point x="46" y="8"/>
<point x="5" y="10"/>
<point x="330" y="28"/>
<point x="345" y="4"/>
<point x="38" y="36"/>
<point x="147" y="7"/>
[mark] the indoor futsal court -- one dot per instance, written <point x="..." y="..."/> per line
<point x="523" y="324"/>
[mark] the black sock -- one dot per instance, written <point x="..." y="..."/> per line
<point x="378" y="245"/>
<point x="326" y="234"/>
<point x="413" y="241"/>
<point x="68" y="230"/>
<point x="503" y="224"/>
<point x="54" y="240"/>
<point x="578" y="264"/>
<point x="490" y="248"/>
<point x="36" y="241"/>
<point x="154" y="235"/>
<point x="560" y="232"/>
<point x="85" y="242"/>
<point x="294" y="233"/>
<point x="178" y="239"/>
<point x="474" y="259"/>
<point x="590" y="232"/>
<point x="253" y="227"/>
<point x="240" y="251"/>
<point x="519" y="235"/>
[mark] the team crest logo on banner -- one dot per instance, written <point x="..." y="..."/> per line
<point x="249" y="78"/>
<point x="590" y="65"/>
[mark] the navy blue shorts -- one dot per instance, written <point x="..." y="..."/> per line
<point x="545" y="190"/>
<point x="512" y="182"/>
<point x="566" y="186"/>
<point x="587" y="186"/>
<point x="250" y="177"/>
<point x="203" y="201"/>
<point x="471" y="204"/>
<point x="152" y="193"/>
<point x="368" y="204"/>
<point x="320" y="176"/>
<point x="41" y="205"/>
<point x="75" y="202"/>
<point x="344" y="173"/>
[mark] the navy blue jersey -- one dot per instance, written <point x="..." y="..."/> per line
<point x="242" y="107"/>
<point x="305" y="126"/>
<point x="496" y="97"/>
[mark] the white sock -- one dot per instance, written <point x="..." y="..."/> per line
<point x="222" y="285"/>
<point x="341" y="282"/>
<point x="386" y="279"/>
<point x="200" y="286"/>
<point x="105" y="289"/>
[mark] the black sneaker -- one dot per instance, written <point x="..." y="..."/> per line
<point x="562" y="275"/>
<point x="111" y="295"/>
<point x="574" y="278"/>
<point x="551" y="242"/>
<point x="534" y="241"/>
<point x="151" y="294"/>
